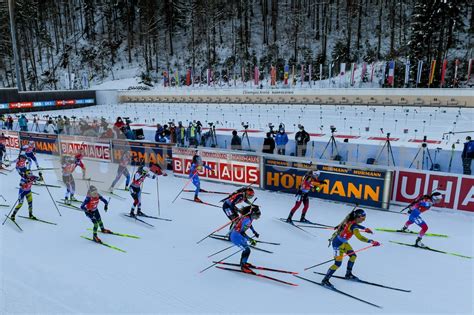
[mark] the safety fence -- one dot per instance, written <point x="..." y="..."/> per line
<point x="376" y="186"/>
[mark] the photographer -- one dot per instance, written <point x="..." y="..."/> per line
<point x="180" y="134"/>
<point x="191" y="135"/>
<point x="236" y="142"/>
<point x="269" y="144"/>
<point x="23" y="123"/>
<point x="67" y="125"/>
<point x="281" y="139"/>
<point x="467" y="155"/>
<point x="302" y="139"/>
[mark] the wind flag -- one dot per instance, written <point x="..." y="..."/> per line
<point x="419" y="71"/>
<point x="243" y="76"/>
<point x="343" y="69"/>
<point x="273" y="75"/>
<point x="407" y="71"/>
<point x="176" y="77"/>
<point x="256" y="75"/>
<point x="286" y="74"/>
<point x="293" y="81"/>
<point x="165" y="79"/>
<point x="372" y="69"/>
<point x="432" y="72"/>
<point x="363" y="72"/>
<point x="469" y="68"/>
<point x="188" y="77"/>
<point x="353" y="69"/>
<point x="208" y="77"/>
<point x="456" y="65"/>
<point x="443" y="71"/>
<point x="391" y="73"/>
<point x="302" y="74"/>
<point x="309" y="71"/>
<point x="320" y="73"/>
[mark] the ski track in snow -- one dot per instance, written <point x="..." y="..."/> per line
<point x="50" y="269"/>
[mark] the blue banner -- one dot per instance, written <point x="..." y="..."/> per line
<point x="146" y="152"/>
<point x="364" y="187"/>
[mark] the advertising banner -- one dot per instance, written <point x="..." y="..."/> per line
<point x="157" y="153"/>
<point x="44" y="143"/>
<point x="12" y="140"/>
<point x="93" y="148"/>
<point x="349" y="185"/>
<point x="230" y="167"/>
<point x="457" y="190"/>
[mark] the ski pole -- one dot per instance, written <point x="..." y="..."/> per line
<point x="344" y="255"/>
<point x="190" y="179"/>
<point x="222" y="250"/>
<point x="55" y="205"/>
<point x="217" y="230"/>
<point x="157" y="196"/>
<point x="3" y="198"/>
<point x="240" y="249"/>
<point x="417" y="199"/>
<point x="9" y="212"/>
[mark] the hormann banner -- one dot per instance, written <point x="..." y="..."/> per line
<point x="230" y="166"/>
<point x="44" y="143"/>
<point x="146" y="152"/>
<point x="350" y="185"/>
<point x="92" y="148"/>
<point x="457" y="190"/>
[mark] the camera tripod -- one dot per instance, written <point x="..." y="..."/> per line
<point x="425" y="155"/>
<point x="246" y="135"/>
<point x="387" y="145"/>
<point x="333" y="143"/>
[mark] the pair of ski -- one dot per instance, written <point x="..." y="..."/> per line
<point x="202" y="202"/>
<point x="123" y="189"/>
<point x="253" y="273"/>
<point x="302" y="227"/>
<point x="112" y="194"/>
<point x="350" y="295"/>
<point x="37" y="220"/>
<point x="68" y="205"/>
<point x="108" y="245"/>
<point x="226" y="239"/>
<point x="208" y="192"/>
<point x="409" y="232"/>
<point x="138" y="218"/>
<point x="432" y="249"/>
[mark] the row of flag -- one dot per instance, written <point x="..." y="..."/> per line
<point x="367" y="72"/>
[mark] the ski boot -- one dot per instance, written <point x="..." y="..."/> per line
<point x="140" y="213"/>
<point x="326" y="283"/>
<point x="304" y="220"/>
<point x="72" y="198"/>
<point x="289" y="219"/>
<point x="126" y="188"/>
<point x="32" y="217"/>
<point x="403" y="230"/>
<point x="418" y="242"/>
<point x="66" y="201"/>
<point x="350" y="276"/>
<point x="12" y="217"/>
<point x="106" y="231"/>
<point x="246" y="268"/>
<point x="111" y="189"/>
<point x="96" y="239"/>
<point x="132" y="213"/>
<point x="196" y="199"/>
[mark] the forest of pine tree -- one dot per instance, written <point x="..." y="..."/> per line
<point x="97" y="37"/>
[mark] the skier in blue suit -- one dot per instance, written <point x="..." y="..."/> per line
<point x="197" y="165"/>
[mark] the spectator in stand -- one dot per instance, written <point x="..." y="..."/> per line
<point x="50" y="128"/>
<point x="302" y="139"/>
<point x="467" y="155"/>
<point x="119" y="123"/>
<point x="268" y="144"/>
<point x="60" y="125"/>
<point x="281" y="139"/>
<point x="10" y="122"/>
<point x="198" y="132"/>
<point x="23" y="123"/>
<point x="191" y="135"/>
<point x="159" y="133"/>
<point x="180" y="134"/>
<point x="128" y="132"/>
<point x="67" y="125"/>
<point x="3" y="120"/>
<point x="172" y="132"/>
<point x="236" y="142"/>
<point x="107" y="134"/>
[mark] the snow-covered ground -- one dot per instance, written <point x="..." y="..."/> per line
<point x="50" y="269"/>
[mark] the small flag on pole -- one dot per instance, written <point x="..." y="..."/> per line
<point x="391" y="73"/>
<point x="469" y="68"/>
<point x="286" y="74"/>
<point x="302" y="74"/>
<point x="407" y="72"/>
<point x="419" y="71"/>
<point x="443" y="71"/>
<point x="372" y="69"/>
<point x="256" y="75"/>
<point x="432" y="72"/>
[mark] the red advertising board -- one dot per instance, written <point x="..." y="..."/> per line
<point x="457" y="190"/>
<point x="92" y="148"/>
<point x="12" y="139"/>
<point x="65" y="102"/>
<point x="21" y="105"/>
<point x="228" y="167"/>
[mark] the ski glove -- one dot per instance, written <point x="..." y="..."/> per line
<point x="375" y="243"/>
<point x="252" y="242"/>
<point x="256" y="234"/>
<point x="106" y="207"/>
<point x="367" y="230"/>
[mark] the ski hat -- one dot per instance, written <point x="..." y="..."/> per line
<point x="250" y="192"/>
<point x="255" y="212"/>
<point x="436" y="197"/>
<point x="358" y="213"/>
<point x="92" y="191"/>
<point x="22" y="156"/>
<point x="316" y="173"/>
